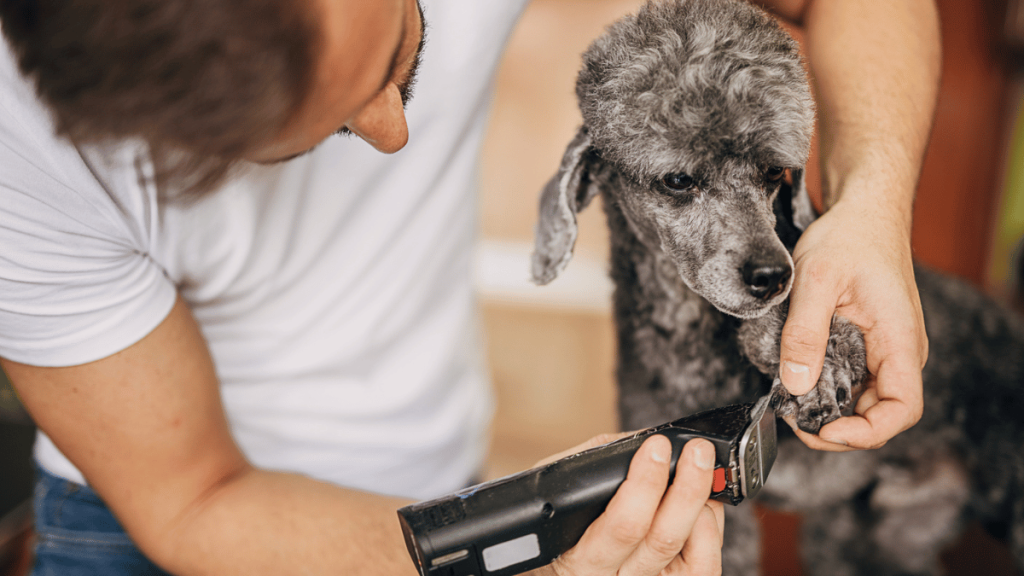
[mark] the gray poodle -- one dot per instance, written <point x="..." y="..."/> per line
<point x="697" y="120"/>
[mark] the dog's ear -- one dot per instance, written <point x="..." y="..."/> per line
<point x="803" y="209"/>
<point x="568" y="192"/>
<point x="794" y="211"/>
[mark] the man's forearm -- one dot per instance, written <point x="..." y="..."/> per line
<point x="147" y="429"/>
<point x="876" y="66"/>
<point x="261" y="522"/>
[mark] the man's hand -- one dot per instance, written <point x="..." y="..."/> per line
<point x="856" y="261"/>
<point x="875" y="68"/>
<point x="648" y="530"/>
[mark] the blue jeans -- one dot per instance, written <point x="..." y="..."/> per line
<point x="77" y="535"/>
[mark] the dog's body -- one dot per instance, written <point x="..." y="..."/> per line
<point x="691" y="109"/>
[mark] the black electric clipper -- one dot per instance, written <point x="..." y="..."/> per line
<point x="526" y="520"/>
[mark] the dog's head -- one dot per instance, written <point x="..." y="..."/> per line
<point x="695" y="114"/>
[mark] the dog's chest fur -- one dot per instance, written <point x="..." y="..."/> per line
<point x="677" y="353"/>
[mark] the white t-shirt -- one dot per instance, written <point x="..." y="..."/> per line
<point x="334" y="290"/>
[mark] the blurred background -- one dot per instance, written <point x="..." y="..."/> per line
<point x="551" y="349"/>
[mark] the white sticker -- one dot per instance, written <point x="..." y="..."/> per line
<point x="512" y="552"/>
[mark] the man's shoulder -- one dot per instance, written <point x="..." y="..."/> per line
<point x="46" y="180"/>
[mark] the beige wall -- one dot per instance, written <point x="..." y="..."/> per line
<point x="552" y="363"/>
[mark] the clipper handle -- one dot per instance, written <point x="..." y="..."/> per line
<point x="524" y="521"/>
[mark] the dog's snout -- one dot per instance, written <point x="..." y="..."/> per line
<point x="765" y="281"/>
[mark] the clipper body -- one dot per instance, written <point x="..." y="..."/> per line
<point x="520" y="522"/>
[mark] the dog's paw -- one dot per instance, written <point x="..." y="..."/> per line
<point x="842" y="375"/>
<point x="812" y="410"/>
<point x="839" y="386"/>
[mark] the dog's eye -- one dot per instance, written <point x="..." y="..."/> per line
<point x="679" y="182"/>
<point x="774" y="173"/>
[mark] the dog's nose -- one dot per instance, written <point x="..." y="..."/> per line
<point x="765" y="281"/>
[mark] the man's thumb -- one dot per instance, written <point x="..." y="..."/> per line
<point x="804" y="340"/>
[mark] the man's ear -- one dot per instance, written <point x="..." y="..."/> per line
<point x="568" y="192"/>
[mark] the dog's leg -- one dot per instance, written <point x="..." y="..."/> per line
<point x="805" y="480"/>
<point x="897" y="527"/>
<point x="1017" y="529"/>
<point x="741" y="548"/>
<point x="829" y="535"/>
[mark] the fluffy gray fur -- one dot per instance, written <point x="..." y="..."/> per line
<point x="690" y="108"/>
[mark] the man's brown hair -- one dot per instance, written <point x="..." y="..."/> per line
<point x="203" y="82"/>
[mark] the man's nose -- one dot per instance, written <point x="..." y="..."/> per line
<point x="382" y="121"/>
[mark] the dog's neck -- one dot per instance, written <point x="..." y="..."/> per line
<point x="672" y="342"/>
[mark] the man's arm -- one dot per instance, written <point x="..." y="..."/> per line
<point x="147" y="429"/>
<point x="875" y="65"/>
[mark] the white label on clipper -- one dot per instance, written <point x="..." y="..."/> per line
<point x="512" y="552"/>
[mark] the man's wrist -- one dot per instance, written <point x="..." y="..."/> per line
<point x="876" y="194"/>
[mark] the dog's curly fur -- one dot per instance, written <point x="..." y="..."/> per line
<point x="691" y="109"/>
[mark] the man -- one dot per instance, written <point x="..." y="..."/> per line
<point x="314" y="316"/>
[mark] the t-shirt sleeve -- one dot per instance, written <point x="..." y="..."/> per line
<point x="77" y="282"/>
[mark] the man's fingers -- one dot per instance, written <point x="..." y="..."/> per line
<point x="718" y="509"/>
<point x="868" y="399"/>
<point x="679" y="510"/>
<point x="892" y="403"/>
<point x="805" y="334"/>
<point x="645" y="527"/>
<point x="614" y="536"/>
<point x="899" y="378"/>
<point x="877" y="426"/>
<point x="702" y="553"/>
<point x="814" y="441"/>
<point x="875" y="421"/>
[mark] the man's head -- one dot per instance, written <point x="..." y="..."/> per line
<point x="209" y="82"/>
<point x="364" y="71"/>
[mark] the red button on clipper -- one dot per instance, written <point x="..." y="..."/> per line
<point x="719" y="482"/>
